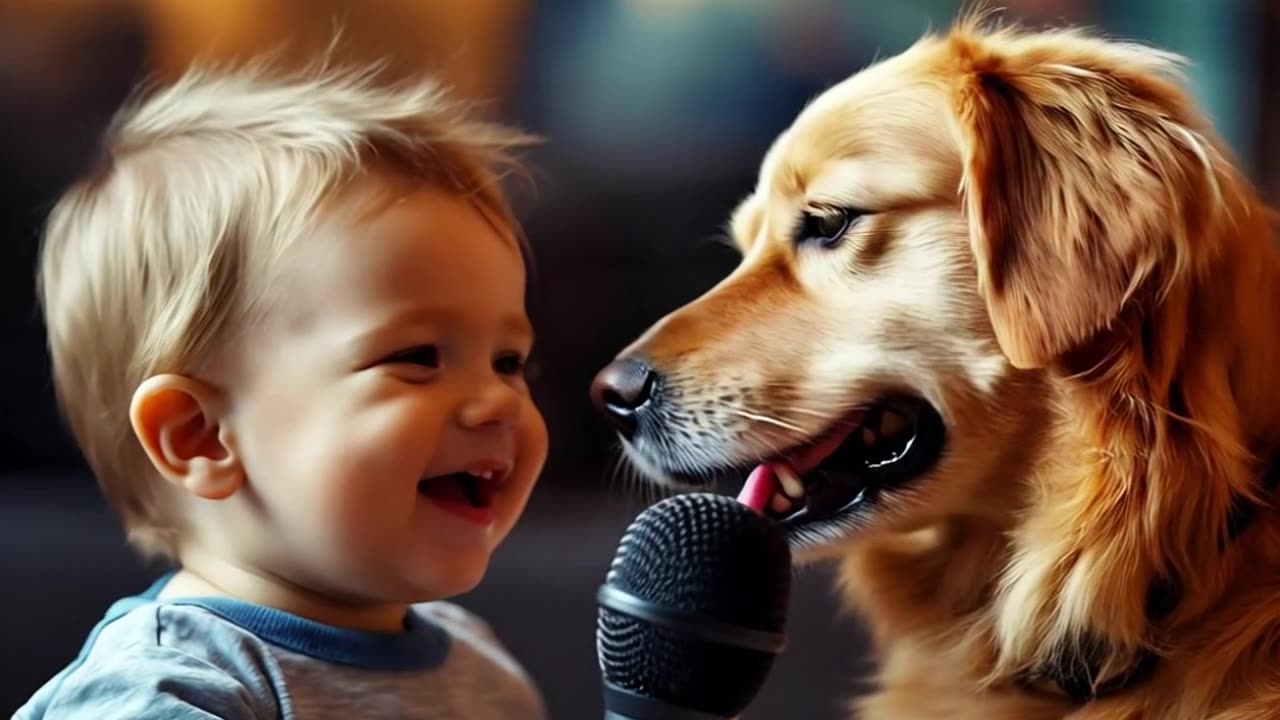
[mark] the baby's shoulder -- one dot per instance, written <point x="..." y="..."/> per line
<point x="469" y="629"/>
<point x="168" y="628"/>
<point x="152" y="660"/>
<point x="477" y="651"/>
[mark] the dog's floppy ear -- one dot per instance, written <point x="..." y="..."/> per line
<point x="1081" y="184"/>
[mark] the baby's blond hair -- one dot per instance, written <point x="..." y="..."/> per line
<point x="150" y="260"/>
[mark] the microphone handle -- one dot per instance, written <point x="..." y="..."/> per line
<point x="621" y="704"/>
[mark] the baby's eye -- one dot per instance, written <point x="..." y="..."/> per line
<point x="424" y="355"/>
<point x="509" y="364"/>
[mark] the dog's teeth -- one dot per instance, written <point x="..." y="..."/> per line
<point x="780" y="504"/>
<point x="791" y="485"/>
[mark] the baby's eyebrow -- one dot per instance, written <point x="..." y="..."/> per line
<point x="389" y="324"/>
<point x="396" y="318"/>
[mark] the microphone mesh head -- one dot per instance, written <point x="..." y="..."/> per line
<point x="700" y="553"/>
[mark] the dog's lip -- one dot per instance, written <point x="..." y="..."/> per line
<point x="767" y="477"/>
<point x="803" y="456"/>
<point x="809" y="456"/>
<point x="847" y="478"/>
<point x="806" y="456"/>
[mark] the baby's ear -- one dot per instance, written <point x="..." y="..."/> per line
<point x="1083" y="188"/>
<point x="177" y="421"/>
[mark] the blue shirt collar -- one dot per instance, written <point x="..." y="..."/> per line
<point x="421" y="646"/>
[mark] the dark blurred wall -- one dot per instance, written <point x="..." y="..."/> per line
<point x="1266" y="88"/>
<point x="60" y="80"/>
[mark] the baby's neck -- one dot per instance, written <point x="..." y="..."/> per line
<point x="205" y="576"/>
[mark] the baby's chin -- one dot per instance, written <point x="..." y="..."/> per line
<point x="445" y="577"/>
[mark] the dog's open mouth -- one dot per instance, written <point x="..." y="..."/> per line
<point x="878" y="448"/>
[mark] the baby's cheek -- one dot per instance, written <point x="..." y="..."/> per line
<point x="533" y="437"/>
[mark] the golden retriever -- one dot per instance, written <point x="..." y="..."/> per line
<point x="1009" y="312"/>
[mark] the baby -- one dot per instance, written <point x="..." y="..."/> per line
<point x="287" y="324"/>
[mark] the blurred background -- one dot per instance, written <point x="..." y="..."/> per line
<point x="656" y="113"/>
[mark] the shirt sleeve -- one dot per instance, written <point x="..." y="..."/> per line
<point x="150" y="682"/>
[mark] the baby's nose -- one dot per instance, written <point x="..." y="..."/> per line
<point x="496" y="403"/>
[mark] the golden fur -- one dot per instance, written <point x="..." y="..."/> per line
<point x="1061" y="257"/>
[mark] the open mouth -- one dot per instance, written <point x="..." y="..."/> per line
<point x="463" y="488"/>
<point x="882" y="447"/>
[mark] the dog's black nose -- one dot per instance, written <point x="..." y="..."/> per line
<point x="622" y="388"/>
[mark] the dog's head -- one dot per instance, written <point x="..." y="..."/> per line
<point x="923" y="242"/>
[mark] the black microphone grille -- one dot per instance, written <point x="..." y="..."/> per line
<point x="695" y="604"/>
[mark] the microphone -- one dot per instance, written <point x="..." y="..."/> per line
<point x="692" y="611"/>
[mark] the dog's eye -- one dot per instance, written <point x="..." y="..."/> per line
<point x="826" y="228"/>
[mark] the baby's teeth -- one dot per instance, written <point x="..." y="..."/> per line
<point x="780" y="503"/>
<point x="791" y="484"/>
<point x="484" y="474"/>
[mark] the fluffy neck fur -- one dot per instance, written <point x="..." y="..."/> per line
<point x="1148" y="451"/>
<point x="1164" y="424"/>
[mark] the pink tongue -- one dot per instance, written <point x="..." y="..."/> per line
<point x="758" y="490"/>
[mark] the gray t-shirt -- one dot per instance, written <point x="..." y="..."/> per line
<point x="220" y="658"/>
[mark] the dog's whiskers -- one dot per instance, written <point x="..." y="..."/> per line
<point x="632" y="480"/>
<point x="794" y="410"/>
<point x="767" y="419"/>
